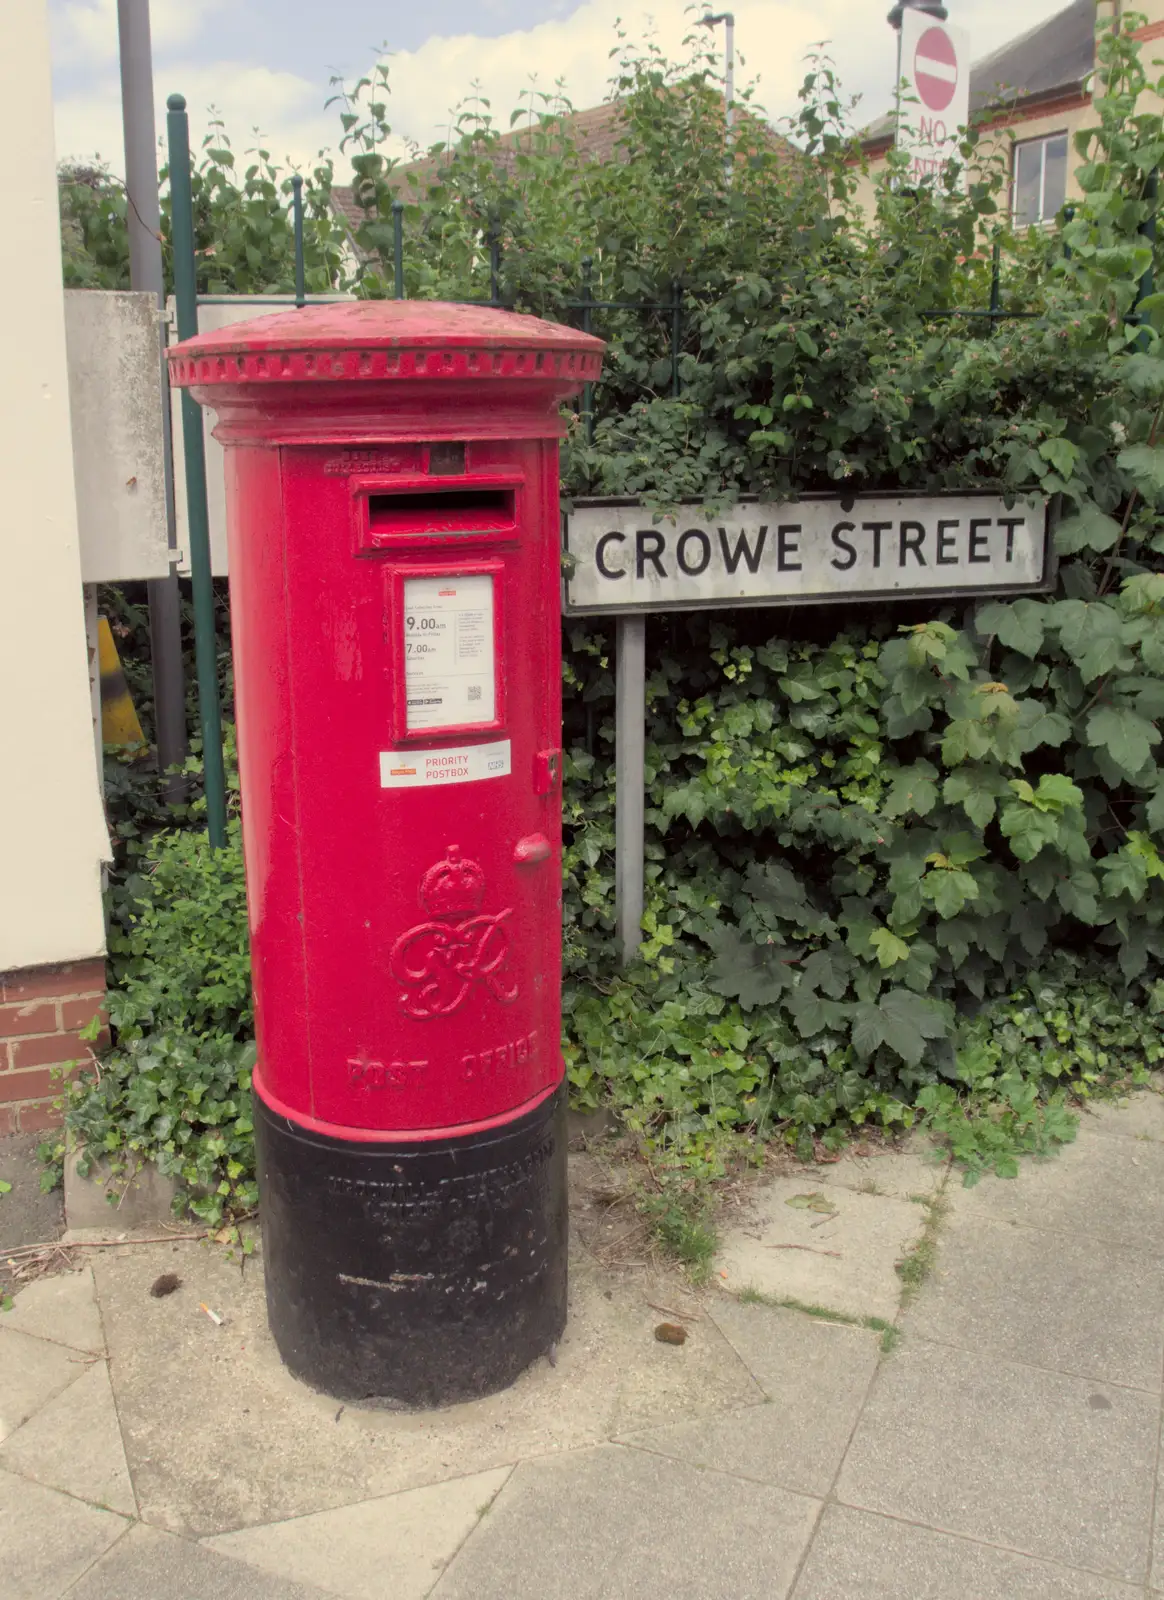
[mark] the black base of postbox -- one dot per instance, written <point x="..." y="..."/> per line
<point x="414" y="1273"/>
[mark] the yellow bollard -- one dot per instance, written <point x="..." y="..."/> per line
<point x="119" y="724"/>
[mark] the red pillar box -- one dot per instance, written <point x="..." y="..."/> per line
<point x="392" y="494"/>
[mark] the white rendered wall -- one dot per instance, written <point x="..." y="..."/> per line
<point x="52" y="827"/>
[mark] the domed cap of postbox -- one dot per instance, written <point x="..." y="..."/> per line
<point x="396" y="339"/>
<point x="390" y="356"/>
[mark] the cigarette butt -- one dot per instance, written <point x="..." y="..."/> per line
<point x="213" y="1315"/>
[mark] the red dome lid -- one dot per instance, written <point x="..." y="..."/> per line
<point x="378" y="339"/>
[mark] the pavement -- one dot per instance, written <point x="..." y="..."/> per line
<point x="995" y="1437"/>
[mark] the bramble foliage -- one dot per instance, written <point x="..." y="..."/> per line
<point x="886" y="854"/>
<point x="243" y="235"/>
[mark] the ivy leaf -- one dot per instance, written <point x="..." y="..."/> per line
<point x="965" y="740"/>
<point x="950" y="889"/>
<point x="1038" y="726"/>
<point x="977" y="790"/>
<point x="1155" y="811"/>
<point x="913" y="789"/>
<point x="827" y="970"/>
<point x="1093" y="633"/>
<point x="1077" y="896"/>
<point x="1144" y="464"/>
<point x="890" y="949"/>
<point x="1124" y="874"/>
<point x="812" y="1013"/>
<point x="1127" y="738"/>
<point x="1019" y="625"/>
<point x="1088" y="529"/>
<point x="755" y="975"/>
<point x="1062" y="455"/>
<point x="1144" y="376"/>
<point x="900" y="1019"/>
<point x="1028" y="829"/>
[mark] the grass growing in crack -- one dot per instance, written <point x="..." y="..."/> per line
<point x="918" y="1262"/>
<point x="890" y="1333"/>
<point x="680" y="1216"/>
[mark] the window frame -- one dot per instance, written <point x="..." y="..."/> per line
<point x="1042" y="140"/>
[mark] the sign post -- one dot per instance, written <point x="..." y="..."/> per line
<point x="822" y="550"/>
<point x="933" y="92"/>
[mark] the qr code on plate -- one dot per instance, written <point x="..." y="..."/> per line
<point x="474" y="691"/>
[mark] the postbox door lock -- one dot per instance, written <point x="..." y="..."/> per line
<point x="547" y="771"/>
<point x="533" y="848"/>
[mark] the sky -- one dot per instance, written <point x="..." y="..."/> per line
<point x="268" y="64"/>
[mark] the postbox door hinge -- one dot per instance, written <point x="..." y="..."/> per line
<point x="547" y="771"/>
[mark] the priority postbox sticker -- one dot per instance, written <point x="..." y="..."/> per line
<point x="436" y="769"/>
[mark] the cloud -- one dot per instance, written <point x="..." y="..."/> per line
<point x="84" y="32"/>
<point x="772" y="37"/>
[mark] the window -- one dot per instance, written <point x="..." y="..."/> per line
<point x="1040" y="180"/>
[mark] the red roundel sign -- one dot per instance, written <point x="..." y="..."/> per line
<point x="935" y="68"/>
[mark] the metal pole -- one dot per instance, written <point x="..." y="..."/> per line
<point x="297" y="224"/>
<point x="494" y="263"/>
<point x="729" y="71"/>
<point x="1148" y="230"/>
<point x="205" y="642"/>
<point x="630" y="718"/>
<point x="729" y="78"/>
<point x="587" y="389"/>
<point x="995" y="284"/>
<point x="145" y="272"/>
<point x="398" y="247"/>
<point x="676" y="334"/>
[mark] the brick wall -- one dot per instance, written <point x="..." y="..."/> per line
<point x="42" y="1010"/>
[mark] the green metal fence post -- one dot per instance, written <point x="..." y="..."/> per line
<point x="297" y="223"/>
<point x="494" y="263"/>
<point x="398" y="248"/>
<point x="995" y="284"/>
<point x="588" y="389"/>
<point x="676" y="334"/>
<point x="205" y="645"/>
<point x="1148" y="230"/>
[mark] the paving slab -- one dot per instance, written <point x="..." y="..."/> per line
<point x="619" y="1524"/>
<point x="32" y="1371"/>
<point x="74" y="1444"/>
<point x="815" y="1376"/>
<point x="150" y="1565"/>
<point x="239" y="1442"/>
<point x="1105" y="1188"/>
<point x="47" y="1540"/>
<point x="61" y="1308"/>
<point x="856" y="1556"/>
<point x="1057" y="1300"/>
<point x="1138" y="1116"/>
<point x="1056" y="1467"/>
<point x="915" y="1167"/>
<point x="839" y="1251"/>
<point x="27" y="1214"/>
<point x="413" y="1536"/>
<point x="103" y="1200"/>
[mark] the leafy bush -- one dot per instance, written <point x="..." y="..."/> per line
<point x="870" y="850"/>
<point x="175" y="1090"/>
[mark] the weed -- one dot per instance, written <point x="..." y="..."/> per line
<point x="918" y="1262"/>
<point x="890" y="1334"/>
<point x="680" y="1217"/>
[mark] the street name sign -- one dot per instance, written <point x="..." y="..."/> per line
<point x="816" y="550"/>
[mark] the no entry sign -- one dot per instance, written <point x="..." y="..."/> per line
<point x="935" y="92"/>
<point x="935" y="69"/>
